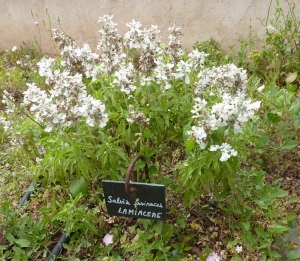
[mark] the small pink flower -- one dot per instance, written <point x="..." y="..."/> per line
<point x="108" y="239"/>
<point x="213" y="257"/>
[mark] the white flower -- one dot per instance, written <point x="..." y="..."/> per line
<point x="14" y="49"/>
<point x="174" y="45"/>
<point x="163" y="72"/>
<point x="254" y="106"/>
<point x="9" y="102"/>
<point x="66" y="102"/>
<point x="183" y="70"/>
<point x="233" y="110"/>
<point x="137" y="117"/>
<point x="198" y="108"/>
<point x="38" y="160"/>
<point x="239" y="249"/>
<point x="226" y="150"/>
<point x="125" y="78"/>
<point x="48" y="129"/>
<point x="7" y="125"/>
<point x="199" y="135"/>
<point x="227" y="78"/>
<point x="197" y="58"/>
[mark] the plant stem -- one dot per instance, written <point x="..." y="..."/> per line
<point x="21" y="109"/>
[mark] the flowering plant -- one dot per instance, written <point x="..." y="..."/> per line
<point x="86" y="112"/>
<point x="136" y="88"/>
<point x="221" y="110"/>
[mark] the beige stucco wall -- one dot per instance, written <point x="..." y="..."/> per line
<point x="224" y="20"/>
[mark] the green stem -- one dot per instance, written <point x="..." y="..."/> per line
<point x="21" y="109"/>
<point x="141" y="139"/>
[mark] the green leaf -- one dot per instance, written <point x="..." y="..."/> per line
<point x="23" y="242"/>
<point x="291" y="87"/>
<point x="3" y="247"/>
<point x="291" y="77"/>
<point x="165" y="181"/>
<point x="297" y="120"/>
<point x="273" y="117"/>
<point x="91" y="227"/>
<point x="263" y="138"/>
<point x="79" y="186"/>
<point x="156" y="108"/>
<point x="149" y="152"/>
<point x="295" y="106"/>
<point x="152" y="170"/>
<point x="275" y="254"/>
<point x="262" y="233"/>
<point x="292" y="200"/>
<point x="246" y="225"/>
<point x="190" y="144"/>
<point x="147" y="134"/>
<point x="290" y="144"/>
<point x="279" y="228"/>
<point x="44" y="210"/>
<point x="10" y="238"/>
<point x="278" y="193"/>
<point x="264" y="245"/>
<point x="251" y="239"/>
<point x="158" y="227"/>
<point x="291" y="216"/>
<point x="181" y="222"/>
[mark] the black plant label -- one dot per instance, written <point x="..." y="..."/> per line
<point x="148" y="201"/>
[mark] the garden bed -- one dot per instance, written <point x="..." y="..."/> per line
<point x="219" y="130"/>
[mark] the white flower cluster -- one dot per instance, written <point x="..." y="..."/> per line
<point x="6" y="119"/>
<point x="227" y="78"/>
<point x="7" y="125"/>
<point x="65" y="103"/>
<point x="197" y="59"/>
<point x="113" y="57"/>
<point x="199" y="134"/>
<point x="76" y="59"/>
<point x="183" y="70"/>
<point x="8" y="102"/>
<point x="62" y="39"/>
<point x="221" y="102"/>
<point x="163" y="72"/>
<point x="141" y="38"/>
<point x="141" y="55"/>
<point x="226" y="150"/>
<point x="231" y="111"/>
<point x="125" y="78"/>
<point x="45" y="69"/>
<point x="174" y="45"/>
<point x="145" y="41"/>
<point x="137" y="117"/>
<point x="110" y="46"/>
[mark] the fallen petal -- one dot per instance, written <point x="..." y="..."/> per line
<point x="213" y="257"/>
<point x="108" y="239"/>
